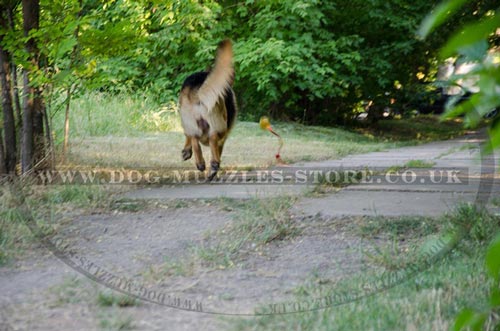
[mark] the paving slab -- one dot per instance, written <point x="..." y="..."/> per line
<point x="457" y="174"/>
<point x="208" y="191"/>
<point x="382" y="203"/>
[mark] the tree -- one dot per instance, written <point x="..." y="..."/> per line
<point x="33" y="146"/>
<point x="8" y="154"/>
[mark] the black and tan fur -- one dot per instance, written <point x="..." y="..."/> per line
<point x="207" y="106"/>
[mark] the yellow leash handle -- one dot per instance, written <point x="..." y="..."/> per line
<point x="265" y="124"/>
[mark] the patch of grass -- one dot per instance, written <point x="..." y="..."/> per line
<point x="170" y="267"/>
<point x="114" y="321"/>
<point x="428" y="300"/>
<point x="127" y="205"/>
<point x="455" y="149"/>
<point x="106" y="305"/>
<point x="257" y="222"/>
<point x="391" y="255"/>
<point x="410" y="164"/>
<point x="49" y="206"/>
<point x="132" y="131"/>
<point x="496" y="201"/>
<point x="70" y="291"/>
<point x="248" y="147"/>
<point x="480" y="224"/>
<point x="111" y="299"/>
<point x="216" y="255"/>
<point x="75" y="195"/>
<point x="399" y="227"/>
<point x="418" y="128"/>
<point x="100" y="114"/>
<point x="15" y="236"/>
<point x="394" y="239"/>
<point x="403" y="234"/>
<point x="419" y="164"/>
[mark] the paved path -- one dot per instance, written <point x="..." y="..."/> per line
<point x="458" y="174"/>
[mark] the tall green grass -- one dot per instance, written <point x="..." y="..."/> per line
<point x="100" y="114"/>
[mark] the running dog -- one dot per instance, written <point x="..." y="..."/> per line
<point x="207" y="106"/>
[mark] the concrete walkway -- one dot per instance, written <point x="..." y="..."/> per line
<point x="458" y="174"/>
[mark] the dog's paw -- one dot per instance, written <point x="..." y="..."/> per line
<point x="214" y="168"/>
<point x="187" y="153"/>
<point x="201" y="167"/>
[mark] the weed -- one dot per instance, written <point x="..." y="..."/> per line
<point x="70" y="291"/>
<point x="479" y="223"/>
<point x="126" y="205"/>
<point x="419" y="164"/>
<point x="399" y="227"/>
<point x="76" y="195"/>
<point x="257" y="222"/>
<point x="111" y="299"/>
<point x="113" y="321"/>
<point x="170" y="267"/>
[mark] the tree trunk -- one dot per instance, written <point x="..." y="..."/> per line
<point x="27" y="137"/>
<point x="3" y="169"/>
<point x="39" y="140"/>
<point x="69" y="90"/>
<point x="66" y="124"/>
<point x="9" y="124"/>
<point x="13" y="73"/>
<point x="15" y="93"/>
<point x="33" y="146"/>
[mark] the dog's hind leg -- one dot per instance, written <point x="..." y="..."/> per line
<point x="198" y="155"/>
<point x="187" y="151"/>
<point x="216" y="151"/>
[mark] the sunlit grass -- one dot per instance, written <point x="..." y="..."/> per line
<point x="136" y="131"/>
<point x="247" y="147"/>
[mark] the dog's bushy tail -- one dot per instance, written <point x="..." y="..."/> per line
<point x="220" y="77"/>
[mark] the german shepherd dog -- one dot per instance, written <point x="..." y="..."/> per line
<point x="207" y="106"/>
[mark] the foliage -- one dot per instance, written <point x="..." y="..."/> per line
<point x="312" y="61"/>
<point x="316" y="62"/>
<point x="474" y="43"/>
<point x="471" y="43"/>
<point x="469" y="319"/>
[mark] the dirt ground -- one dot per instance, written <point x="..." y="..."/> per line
<point x="152" y="248"/>
<point x="43" y="293"/>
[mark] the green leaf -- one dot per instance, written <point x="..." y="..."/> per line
<point x="438" y="16"/>
<point x="465" y="107"/>
<point x="469" y="35"/>
<point x="475" y="52"/>
<point x="495" y="297"/>
<point x="494" y="138"/>
<point x="468" y="318"/>
<point x="493" y="255"/>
